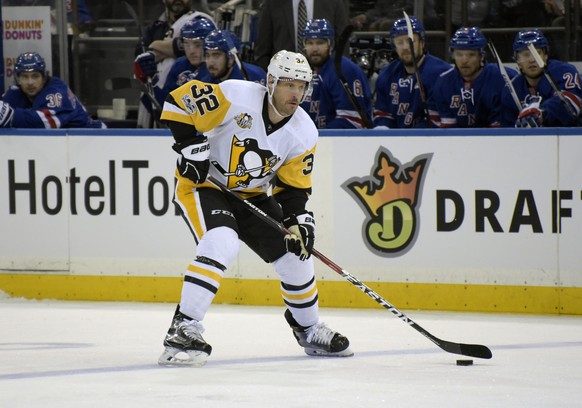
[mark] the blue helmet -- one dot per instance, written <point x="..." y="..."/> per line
<point x="468" y="38"/>
<point x="197" y="29"/>
<point x="318" y="28"/>
<point x="399" y="28"/>
<point x="535" y="37"/>
<point x="221" y="40"/>
<point x="28" y="62"/>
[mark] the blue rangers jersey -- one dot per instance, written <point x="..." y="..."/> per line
<point x="555" y="112"/>
<point x="181" y="72"/>
<point x="461" y="104"/>
<point x="398" y="100"/>
<point x="254" y="72"/>
<point x="329" y="106"/>
<point x="55" y="106"/>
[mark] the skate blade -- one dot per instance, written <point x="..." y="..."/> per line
<point x="180" y="358"/>
<point x="322" y="353"/>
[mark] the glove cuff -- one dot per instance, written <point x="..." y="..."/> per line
<point x="197" y="149"/>
<point x="306" y="218"/>
<point x="303" y="217"/>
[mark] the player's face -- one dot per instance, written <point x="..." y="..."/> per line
<point x="287" y="95"/>
<point x="469" y="63"/>
<point x="194" y="50"/>
<point x="178" y="6"/>
<point x="403" y="48"/>
<point x="317" y="51"/>
<point x="217" y="63"/>
<point x="31" y="83"/>
<point x="527" y="63"/>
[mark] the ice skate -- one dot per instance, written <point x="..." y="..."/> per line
<point x="184" y="343"/>
<point x="319" y="340"/>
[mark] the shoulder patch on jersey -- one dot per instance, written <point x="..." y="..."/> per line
<point x="244" y="120"/>
<point x="189" y="104"/>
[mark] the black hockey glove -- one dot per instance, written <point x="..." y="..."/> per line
<point x="302" y="234"/>
<point x="193" y="162"/>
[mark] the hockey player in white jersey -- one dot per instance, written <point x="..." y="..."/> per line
<point x="248" y="137"/>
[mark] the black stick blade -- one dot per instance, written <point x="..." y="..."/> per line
<point x="471" y="350"/>
<point x="476" y="350"/>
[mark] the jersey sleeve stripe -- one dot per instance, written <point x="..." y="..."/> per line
<point x="175" y="113"/>
<point x="49" y="118"/>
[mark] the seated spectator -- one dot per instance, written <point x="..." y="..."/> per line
<point x="158" y="29"/>
<point x="557" y="11"/>
<point x="523" y="13"/>
<point x="481" y="13"/>
<point x="541" y="104"/>
<point x="469" y="94"/>
<point x="85" y="22"/>
<point x="191" y="65"/>
<point x="382" y="16"/>
<point x="155" y="57"/>
<point x="329" y="105"/>
<point x="41" y="101"/>
<point x="401" y="102"/>
<point x="222" y="60"/>
<point x="518" y="14"/>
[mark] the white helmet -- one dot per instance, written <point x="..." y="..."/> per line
<point x="289" y="66"/>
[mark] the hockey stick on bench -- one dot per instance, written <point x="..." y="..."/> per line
<point x="421" y="89"/>
<point x="472" y="350"/>
<point x="341" y="44"/>
<point x="542" y="64"/>
<point x="505" y="76"/>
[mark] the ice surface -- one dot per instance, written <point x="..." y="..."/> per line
<point x="93" y="354"/>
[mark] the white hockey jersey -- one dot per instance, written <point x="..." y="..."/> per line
<point x="245" y="154"/>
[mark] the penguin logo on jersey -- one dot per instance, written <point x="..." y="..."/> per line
<point x="244" y="120"/>
<point x="390" y="198"/>
<point x="247" y="162"/>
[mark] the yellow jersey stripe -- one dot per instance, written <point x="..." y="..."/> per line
<point x="205" y="272"/>
<point x="301" y="296"/>
<point x="189" y="204"/>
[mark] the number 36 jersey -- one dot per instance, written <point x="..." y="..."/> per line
<point x="247" y="151"/>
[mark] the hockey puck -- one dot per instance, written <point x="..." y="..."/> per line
<point x="464" y="362"/>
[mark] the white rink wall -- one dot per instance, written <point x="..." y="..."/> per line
<point x="490" y="206"/>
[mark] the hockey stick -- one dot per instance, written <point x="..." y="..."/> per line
<point x="147" y="88"/>
<point x="505" y="76"/>
<point x="240" y="65"/>
<point x="472" y="350"/>
<point x="226" y="19"/>
<point x="341" y="44"/>
<point x="415" y="65"/>
<point x="542" y="64"/>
